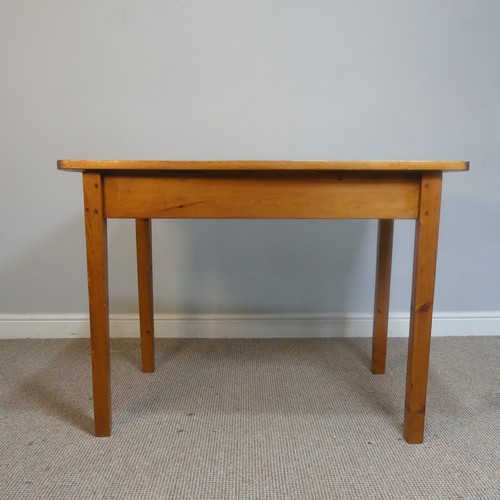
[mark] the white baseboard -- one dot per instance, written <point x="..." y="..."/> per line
<point x="22" y="326"/>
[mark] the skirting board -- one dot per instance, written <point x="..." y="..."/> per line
<point x="39" y="326"/>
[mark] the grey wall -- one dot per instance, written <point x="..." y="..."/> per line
<point x="226" y="79"/>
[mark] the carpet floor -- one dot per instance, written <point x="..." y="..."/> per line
<point x="248" y="419"/>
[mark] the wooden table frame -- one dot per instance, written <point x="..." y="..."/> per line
<point x="383" y="190"/>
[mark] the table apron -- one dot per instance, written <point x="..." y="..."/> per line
<point x="288" y="195"/>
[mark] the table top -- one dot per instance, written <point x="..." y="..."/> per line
<point x="259" y="165"/>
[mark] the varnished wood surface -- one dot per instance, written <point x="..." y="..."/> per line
<point x="267" y="165"/>
<point x="263" y="196"/>
<point x="145" y="283"/>
<point x="424" y="272"/>
<point x="97" y="273"/>
<point x="382" y="292"/>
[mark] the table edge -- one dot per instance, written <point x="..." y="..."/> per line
<point x="261" y="165"/>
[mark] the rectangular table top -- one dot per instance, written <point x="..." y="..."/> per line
<point x="259" y="165"/>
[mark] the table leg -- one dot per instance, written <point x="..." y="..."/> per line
<point x="382" y="289"/>
<point x="424" y="271"/>
<point x="97" y="273"/>
<point x="145" y="280"/>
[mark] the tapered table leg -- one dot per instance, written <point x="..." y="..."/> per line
<point x="97" y="271"/>
<point x="382" y="289"/>
<point x="145" y="281"/>
<point x="424" y="271"/>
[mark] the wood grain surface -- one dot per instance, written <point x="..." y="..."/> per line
<point x="82" y="165"/>
<point x="263" y="196"/>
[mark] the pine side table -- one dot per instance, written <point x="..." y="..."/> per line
<point x="383" y="190"/>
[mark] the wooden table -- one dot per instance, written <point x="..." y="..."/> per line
<point x="384" y="190"/>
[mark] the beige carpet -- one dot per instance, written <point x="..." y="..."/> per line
<point x="248" y="419"/>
